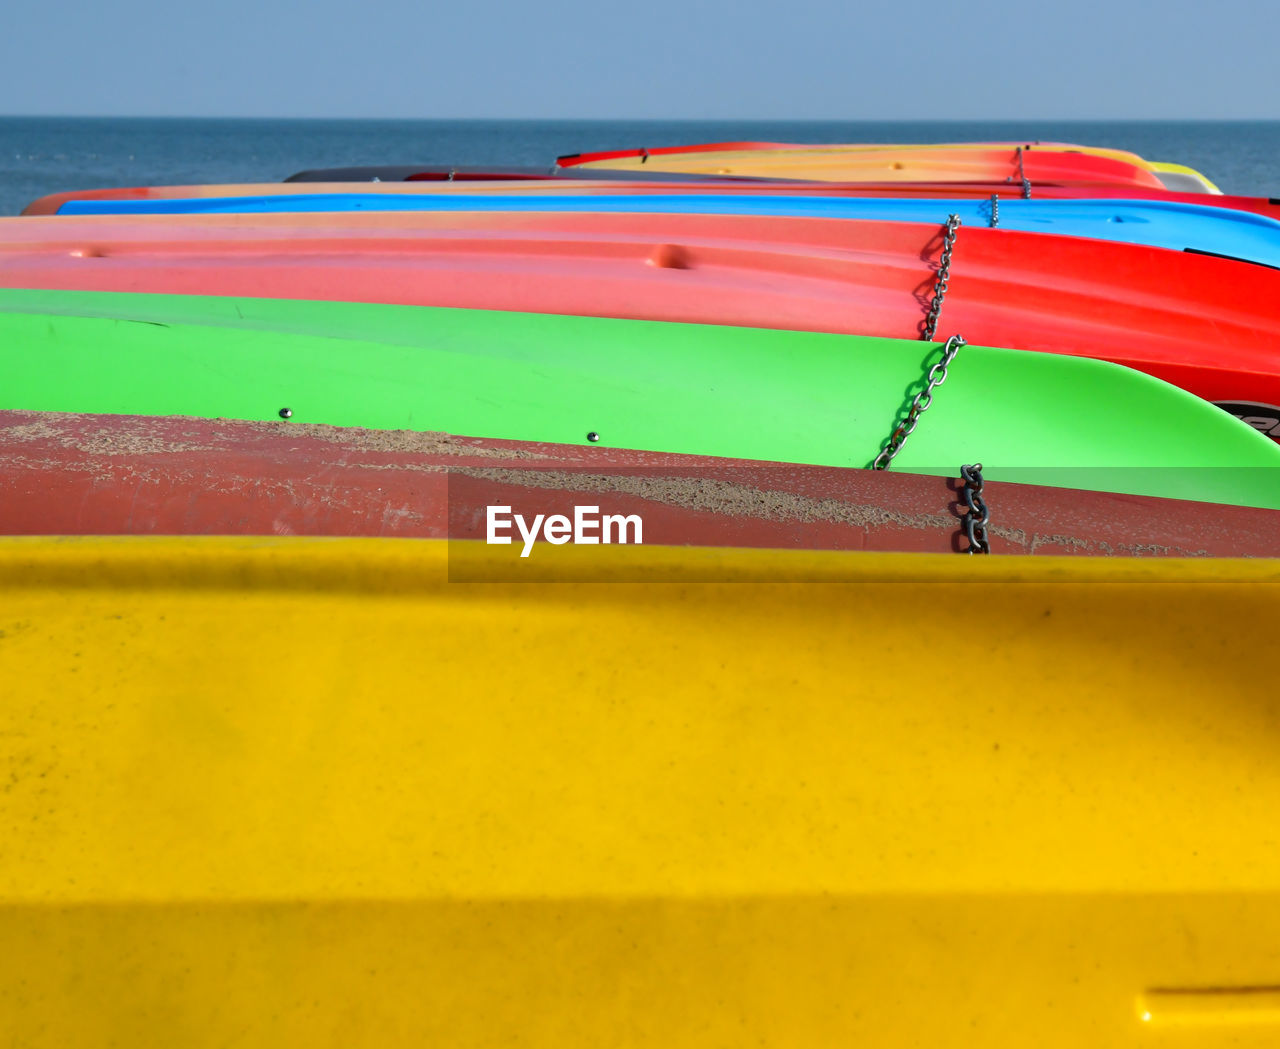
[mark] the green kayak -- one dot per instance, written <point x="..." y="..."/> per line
<point x="744" y="393"/>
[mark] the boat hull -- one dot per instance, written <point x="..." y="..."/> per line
<point x="685" y="156"/>
<point x="1207" y="325"/>
<point x="271" y="792"/>
<point x="430" y="181"/>
<point x="741" y="393"/>
<point x="138" y="475"/>
<point x="883" y="164"/>
<point x="1181" y="227"/>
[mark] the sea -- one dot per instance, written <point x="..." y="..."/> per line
<point x="40" y="155"/>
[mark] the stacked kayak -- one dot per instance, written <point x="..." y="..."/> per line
<point x="480" y="607"/>
<point x="899" y="164"/>
<point x="742" y="393"/>
<point x="1182" y="227"/>
<point x="951" y="162"/>
<point x="417" y="179"/>
<point x="1181" y="316"/>
<point x="292" y="791"/>
<point x="76" y="474"/>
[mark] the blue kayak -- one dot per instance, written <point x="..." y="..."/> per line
<point x="1162" y="224"/>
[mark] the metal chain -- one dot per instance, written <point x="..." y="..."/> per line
<point x="937" y="376"/>
<point x="1022" y="173"/>
<point x="944" y="275"/>
<point x="995" y="210"/>
<point x="938" y="373"/>
<point x="978" y="517"/>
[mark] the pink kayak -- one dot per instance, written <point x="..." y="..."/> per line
<point x="1209" y="325"/>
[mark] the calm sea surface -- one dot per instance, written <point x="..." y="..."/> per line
<point x="40" y="155"/>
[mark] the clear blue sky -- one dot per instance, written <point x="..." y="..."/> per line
<point x="663" y="59"/>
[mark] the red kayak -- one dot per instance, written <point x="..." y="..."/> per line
<point x="432" y="181"/>
<point x="1209" y="325"/>
<point x="112" y="474"/>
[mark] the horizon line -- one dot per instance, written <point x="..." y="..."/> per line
<point x="650" y="119"/>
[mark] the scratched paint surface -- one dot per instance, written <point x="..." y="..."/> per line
<point x="70" y="475"/>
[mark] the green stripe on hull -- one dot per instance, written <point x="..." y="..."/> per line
<point x="738" y="392"/>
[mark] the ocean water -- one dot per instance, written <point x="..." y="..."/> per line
<point x="40" y="155"/>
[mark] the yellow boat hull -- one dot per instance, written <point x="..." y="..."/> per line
<point x="1192" y="177"/>
<point x="312" y="792"/>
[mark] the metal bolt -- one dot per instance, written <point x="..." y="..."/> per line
<point x="286" y="413"/>
<point x="593" y="437"/>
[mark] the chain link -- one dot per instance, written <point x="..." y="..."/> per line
<point x="995" y="210"/>
<point x="978" y="517"/>
<point x="937" y="376"/>
<point x="944" y="276"/>
<point x="938" y="373"/>
<point x="1022" y="173"/>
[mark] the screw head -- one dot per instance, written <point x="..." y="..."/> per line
<point x="593" y="437"/>
<point x="286" y="413"/>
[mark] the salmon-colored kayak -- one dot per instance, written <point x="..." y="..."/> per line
<point x="64" y="474"/>
<point x="49" y="205"/>
<point x="1208" y="325"/>
<point x="902" y="164"/>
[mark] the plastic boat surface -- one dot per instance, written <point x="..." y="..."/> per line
<point x="742" y="393"/>
<point x="145" y="475"/>
<point x="1181" y="177"/>
<point x="1208" y="325"/>
<point x="265" y="790"/>
<point x="426" y="182"/>
<point x="1125" y="155"/>
<point x="1194" y="180"/>
<point x="899" y="164"/>
<point x="1182" y="227"/>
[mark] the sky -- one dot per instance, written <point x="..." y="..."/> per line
<point x="656" y="59"/>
